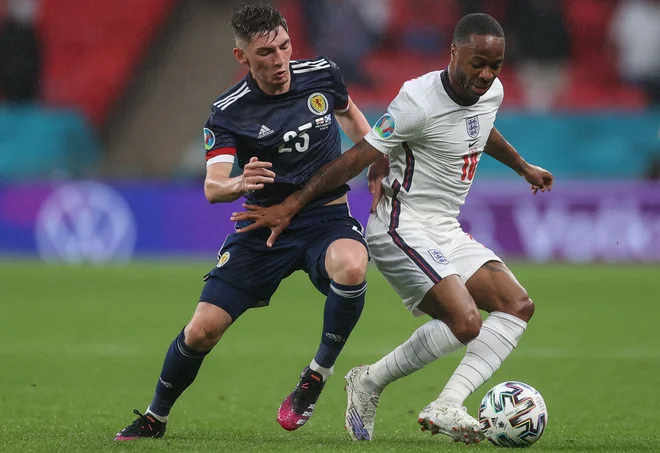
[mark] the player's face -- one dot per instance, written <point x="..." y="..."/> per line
<point x="475" y="65"/>
<point x="267" y="57"/>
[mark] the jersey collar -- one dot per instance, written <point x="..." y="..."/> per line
<point x="450" y="91"/>
<point x="254" y="86"/>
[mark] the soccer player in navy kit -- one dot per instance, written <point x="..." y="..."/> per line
<point x="280" y="122"/>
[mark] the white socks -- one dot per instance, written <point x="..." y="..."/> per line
<point x="499" y="334"/>
<point x="325" y="372"/>
<point x="428" y="343"/>
<point x="160" y="418"/>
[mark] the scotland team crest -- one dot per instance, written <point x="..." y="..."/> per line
<point x="222" y="260"/>
<point x="209" y="138"/>
<point x="318" y="104"/>
<point x="473" y="126"/>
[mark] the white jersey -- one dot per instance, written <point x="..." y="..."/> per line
<point x="434" y="145"/>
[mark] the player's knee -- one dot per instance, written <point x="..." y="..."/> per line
<point x="520" y="306"/>
<point x="351" y="274"/>
<point x="203" y="336"/>
<point x="524" y="309"/>
<point x="347" y="266"/>
<point x="467" y="327"/>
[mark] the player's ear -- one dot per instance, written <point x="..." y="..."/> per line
<point x="240" y="55"/>
<point x="453" y="50"/>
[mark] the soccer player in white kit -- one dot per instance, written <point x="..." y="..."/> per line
<point x="433" y="136"/>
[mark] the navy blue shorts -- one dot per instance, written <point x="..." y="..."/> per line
<point x="248" y="272"/>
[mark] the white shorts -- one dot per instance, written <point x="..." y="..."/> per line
<point x="414" y="259"/>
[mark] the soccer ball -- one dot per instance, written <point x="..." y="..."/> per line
<point x="513" y="414"/>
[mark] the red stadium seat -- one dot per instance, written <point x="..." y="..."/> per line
<point x="513" y="95"/>
<point x="594" y="79"/>
<point x="91" y="52"/>
<point x="587" y="22"/>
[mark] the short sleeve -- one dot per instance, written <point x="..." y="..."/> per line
<point x="404" y="121"/>
<point x="220" y="144"/>
<point x="339" y="90"/>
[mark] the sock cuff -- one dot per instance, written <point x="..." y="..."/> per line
<point x="323" y="371"/>
<point x="160" y="418"/>
<point x="186" y="350"/>
<point x="348" y="291"/>
<point x="442" y="329"/>
<point x="506" y="325"/>
<point x="507" y="319"/>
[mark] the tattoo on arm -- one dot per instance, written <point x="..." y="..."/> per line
<point x="335" y="173"/>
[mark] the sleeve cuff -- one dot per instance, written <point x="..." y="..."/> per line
<point x="376" y="143"/>
<point x="343" y="110"/>
<point x="222" y="158"/>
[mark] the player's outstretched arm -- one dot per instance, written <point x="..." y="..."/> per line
<point x="220" y="188"/>
<point x="331" y="175"/>
<point x="334" y="174"/>
<point x="498" y="148"/>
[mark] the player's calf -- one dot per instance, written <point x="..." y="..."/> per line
<point x="499" y="336"/>
<point x="182" y="362"/>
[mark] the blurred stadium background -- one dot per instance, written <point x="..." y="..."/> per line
<point x="105" y="232"/>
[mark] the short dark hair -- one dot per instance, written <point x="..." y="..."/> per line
<point x="476" y="24"/>
<point x="256" y="20"/>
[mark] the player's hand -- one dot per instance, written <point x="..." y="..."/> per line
<point x="377" y="171"/>
<point x="255" y="174"/>
<point x="539" y="178"/>
<point x="276" y="217"/>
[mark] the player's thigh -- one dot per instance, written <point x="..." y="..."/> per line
<point x="412" y="261"/>
<point x="224" y="293"/>
<point x="335" y="250"/>
<point x="491" y="284"/>
<point x="248" y="272"/>
<point x="495" y="288"/>
<point x="466" y="254"/>
<point x="450" y="302"/>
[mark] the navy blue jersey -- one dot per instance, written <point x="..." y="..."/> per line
<point x="296" y="131"/>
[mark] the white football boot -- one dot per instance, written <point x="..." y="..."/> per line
<point x="362" y="405"/>
<point x="453" y="421"/>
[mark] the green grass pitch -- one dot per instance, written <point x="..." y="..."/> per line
<point x="81" y="347"/>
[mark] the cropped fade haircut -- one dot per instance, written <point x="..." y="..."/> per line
<point x="476" y="24"/>
<point x="255" y="21"/>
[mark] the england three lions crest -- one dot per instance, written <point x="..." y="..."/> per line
<point x="473" y="126"/>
